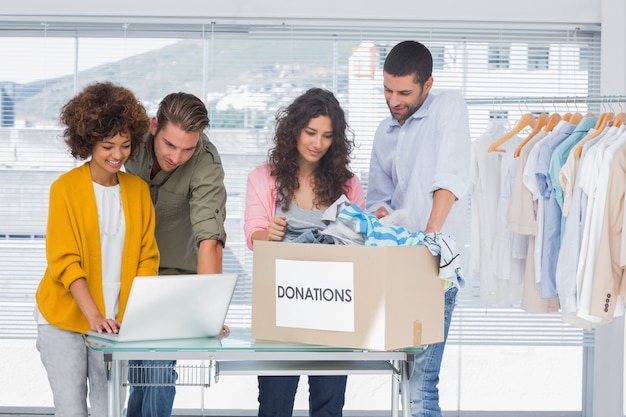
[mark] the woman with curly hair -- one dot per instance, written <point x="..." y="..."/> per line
<point x="100" y="235"/>
<point x="306" y="172"/>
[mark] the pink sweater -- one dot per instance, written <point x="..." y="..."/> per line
<point x="261" y="199"/>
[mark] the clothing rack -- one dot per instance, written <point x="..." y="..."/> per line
<point x="600" y="99"/>
<point x="604" y="351"/>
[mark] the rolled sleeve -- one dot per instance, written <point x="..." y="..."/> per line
<point x="451" y="182"/>
<point x="207" y="201"/>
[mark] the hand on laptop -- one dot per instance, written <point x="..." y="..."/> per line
<point x="107" y="326"/>
<point x="225" y="332"/>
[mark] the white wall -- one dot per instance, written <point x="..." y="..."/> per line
<point x="578" y="12"/>
<point x="608" y="361"/>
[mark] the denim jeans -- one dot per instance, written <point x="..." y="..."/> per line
<point x="423" y="391"/>
<point x="277" y="394"/>
<point x="157" y="397"/>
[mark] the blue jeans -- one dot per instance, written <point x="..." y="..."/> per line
<point x="157" y="397"/>
<point x="423" y="392"/>
<point x="277" y="394"/>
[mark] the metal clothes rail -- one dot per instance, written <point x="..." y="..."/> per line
<point x="592" y="99"/>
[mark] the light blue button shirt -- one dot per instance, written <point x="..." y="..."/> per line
<point x="430" y="151"/>
<point x="571" y="242"/>
<point x="561" y="152"/>
<point x="551" y="238"/>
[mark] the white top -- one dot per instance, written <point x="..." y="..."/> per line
<point x="112" y="232"/>
<point x="485" y="177"/>
<point x="509" y="251"/>
<point x="595" y="216"/>
<point x="586" y="180"/>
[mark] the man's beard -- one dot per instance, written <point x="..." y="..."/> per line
<point x="409" y="111"/>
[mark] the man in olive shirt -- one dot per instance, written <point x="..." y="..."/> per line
<point x="186" y="179"/>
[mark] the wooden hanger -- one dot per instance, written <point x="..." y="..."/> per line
<point x="542" y="120"/>
<point x="554" y="119"/>
<point x="575" y="119"/>
<point x="602" y="122"/>
<point x="566" y="117"/>
<point x="619" y="119"/>
<point x="526" y="120"/>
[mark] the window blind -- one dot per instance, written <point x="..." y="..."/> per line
<point x="245" y="73"/>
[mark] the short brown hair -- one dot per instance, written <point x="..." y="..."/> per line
<point x="184" y="110"/>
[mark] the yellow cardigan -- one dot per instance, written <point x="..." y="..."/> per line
<point x="73" y="245"/>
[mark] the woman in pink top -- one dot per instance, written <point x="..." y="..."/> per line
<point x="308" y="169"/>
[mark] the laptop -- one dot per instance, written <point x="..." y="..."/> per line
<point x="175" y="307"/>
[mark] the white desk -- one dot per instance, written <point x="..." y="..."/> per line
<point x="240" y="354"/>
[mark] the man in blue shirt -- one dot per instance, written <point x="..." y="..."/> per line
<point x="420" y="164"/>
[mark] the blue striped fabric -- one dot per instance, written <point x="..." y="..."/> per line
<point x="377" y="234"/>
<point x="374" y="232"/>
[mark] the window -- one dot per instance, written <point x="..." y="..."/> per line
<point x="7" y="105"/>
<point x="538" y="58"/>
<point x="243" y="82"/>
<point x="584" y="58"/>
<point x="438" y="53"/>
<point x="499" y="56"/>
<point x="245" y="74"/>
<point x="498" y="114"/>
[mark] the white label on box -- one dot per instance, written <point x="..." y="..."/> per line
<point x="315" y="295"/>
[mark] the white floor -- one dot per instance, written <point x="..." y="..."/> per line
<point x="472" y="378"/>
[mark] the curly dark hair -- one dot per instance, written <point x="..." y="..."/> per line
<point x="332" y="173"/>
<point x="102" y="110"/>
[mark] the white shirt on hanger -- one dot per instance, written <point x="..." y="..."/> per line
<point x="485" y="177"/>
<point x="594" y="217"/>
<point x="587" y="176"/>
<point x="567" y="287"/>
<point x="509" y="250"/>
<point x="567" y="176"/>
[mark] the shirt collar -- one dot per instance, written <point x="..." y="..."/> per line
<point x="419" y="114"/>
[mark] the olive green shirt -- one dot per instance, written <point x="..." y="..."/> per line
<point x="190" y="204"/>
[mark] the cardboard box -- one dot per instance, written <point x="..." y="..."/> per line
<point x="374" y="298"/>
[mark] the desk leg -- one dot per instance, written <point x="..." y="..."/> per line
<point x="395" y="387"/>
<point x="404" y="388"/>
<point x="400" y="388"/>
<point x="113" y="388"/>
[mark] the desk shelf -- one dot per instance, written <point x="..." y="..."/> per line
<point x="201" y="374"/>
<point x="304" y="368"/>
<point x="162" y="375"/>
